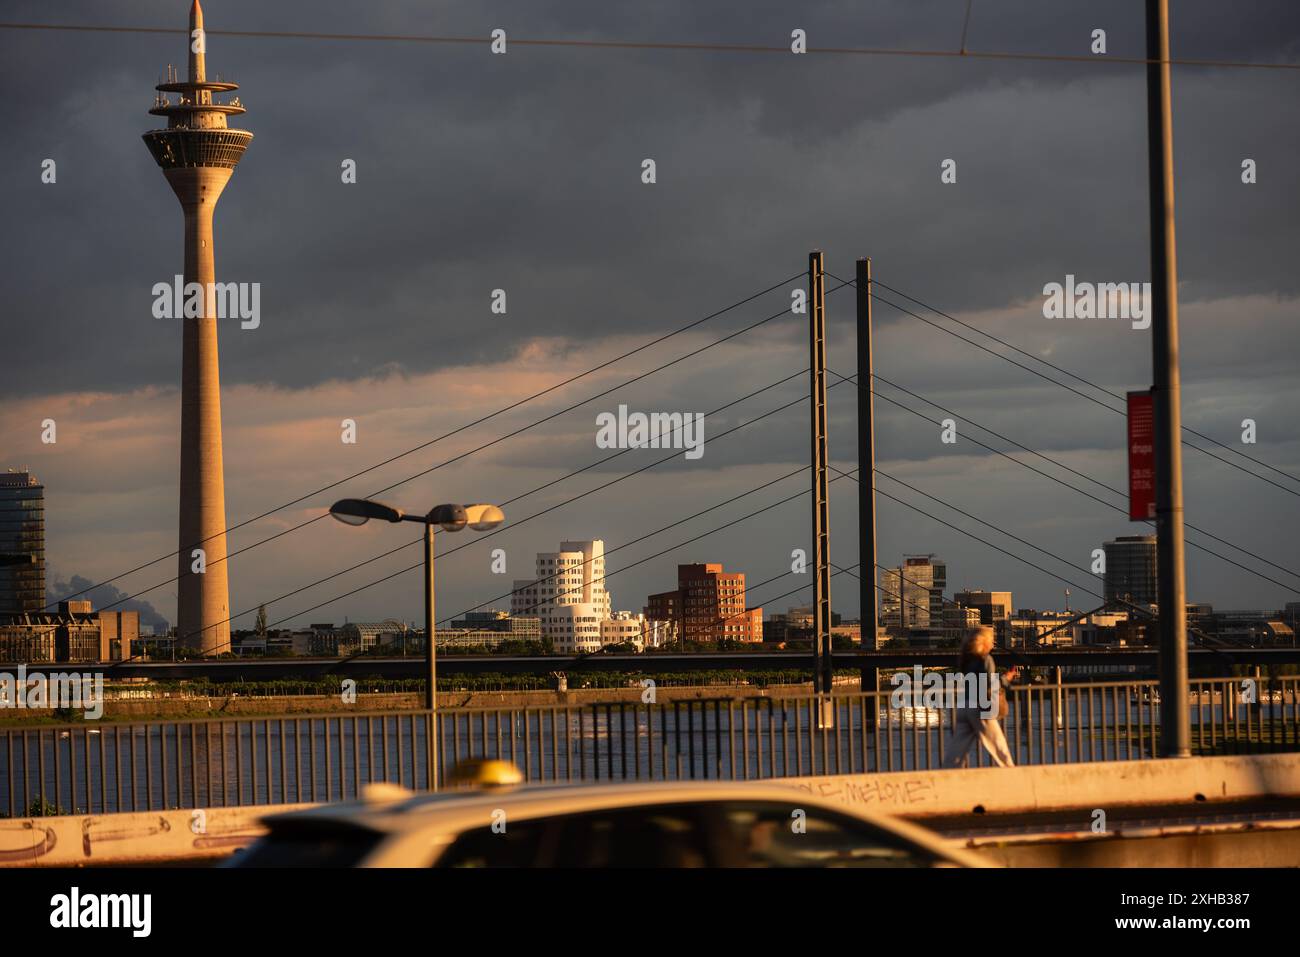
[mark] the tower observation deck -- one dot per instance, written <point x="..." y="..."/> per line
<point x="197" y="133"/>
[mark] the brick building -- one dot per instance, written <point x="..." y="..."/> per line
<point x="708" y="605"/>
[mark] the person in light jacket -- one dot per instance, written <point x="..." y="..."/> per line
<point x="977" y="718"/>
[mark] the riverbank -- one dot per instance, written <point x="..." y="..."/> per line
<point x="243" y="706"/>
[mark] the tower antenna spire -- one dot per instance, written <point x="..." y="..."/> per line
<point x="198" y="45"/>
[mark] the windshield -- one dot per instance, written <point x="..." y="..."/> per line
<point x="315" y="844"/>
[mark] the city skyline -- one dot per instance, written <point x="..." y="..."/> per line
<point x="357" y="343"/>
<point x="770" y="436"/>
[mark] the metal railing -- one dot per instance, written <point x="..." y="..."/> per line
<point x="106" y="767"/>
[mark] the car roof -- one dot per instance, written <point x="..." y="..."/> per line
<point x="389" y="811"/>
<point x="454" y="811"/>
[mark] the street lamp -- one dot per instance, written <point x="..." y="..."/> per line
<point x="450" y="518"/>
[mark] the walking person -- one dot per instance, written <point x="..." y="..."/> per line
<point x="974" y="722"/>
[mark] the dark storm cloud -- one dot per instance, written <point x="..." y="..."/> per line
<point x="102" y="597"/>
<point x="521" y="172"/>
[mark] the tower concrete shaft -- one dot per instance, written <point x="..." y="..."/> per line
<point x="198" y="153"/>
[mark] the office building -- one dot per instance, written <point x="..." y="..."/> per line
<point x="1257" y="627"/>
<point x="958" y="621"/>
<point x="1131" y="569"/>
<point x="22" y="544"/>
<point x="911" y="595"/>
<point x="358" y="637"/>
<point x="488" y="629"/>
<point x="624" y="628"/>
<point x="73" y="633"/>
<point x="512" y="627"/>
<point x="30" y="637"/>
<point x="1029" y="628"/>
<point x="708" y="605"/>
<point x="796" y="624"/>
<point x="659" y="633"/>
<point x="994" y="609"/>
<point x="665" y="606"/>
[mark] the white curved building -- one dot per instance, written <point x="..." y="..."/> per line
<point x="568" y="595"/>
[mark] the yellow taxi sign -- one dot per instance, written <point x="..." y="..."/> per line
<point x="486" y="773"/>
<point x="384" y="792"/>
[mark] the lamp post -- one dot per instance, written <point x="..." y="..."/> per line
<point x="451" y="518"/>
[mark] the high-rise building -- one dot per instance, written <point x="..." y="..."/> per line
<point x="994" y="609"/>
<point x="911" y="596"/>
<point x="708" y="605"/>
<point x="1131" y="569"/>
<point x="22" y="544"/>
<point x="198" y="153"/>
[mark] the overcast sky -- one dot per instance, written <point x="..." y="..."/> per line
<point x="522" y="172"/>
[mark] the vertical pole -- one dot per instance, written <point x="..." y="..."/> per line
<point x="866" y="467"/>
<point x="1175" y="728"/>
<point x="1058" y="701"/>
<point x="431" y="663"/>
<point x="867" y="592"/>
<point x="821" y="518"/>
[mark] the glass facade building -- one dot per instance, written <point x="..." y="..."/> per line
<point x="1131" y="569"/>
<point x="22" y="544"/>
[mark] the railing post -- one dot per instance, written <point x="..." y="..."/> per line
<point x="1058" y="710"/>
<point x="431" y="750"/>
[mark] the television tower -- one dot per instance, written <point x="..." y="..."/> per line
<point x="198" y="153"/>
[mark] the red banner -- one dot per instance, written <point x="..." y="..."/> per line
<point x="1141" y="457"/>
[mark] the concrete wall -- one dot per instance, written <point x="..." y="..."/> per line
<point x="134" y="838"/>
<point x="1255" y="844"/>
<point x="180" y="835"/>
<point x="918" y="794"/>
